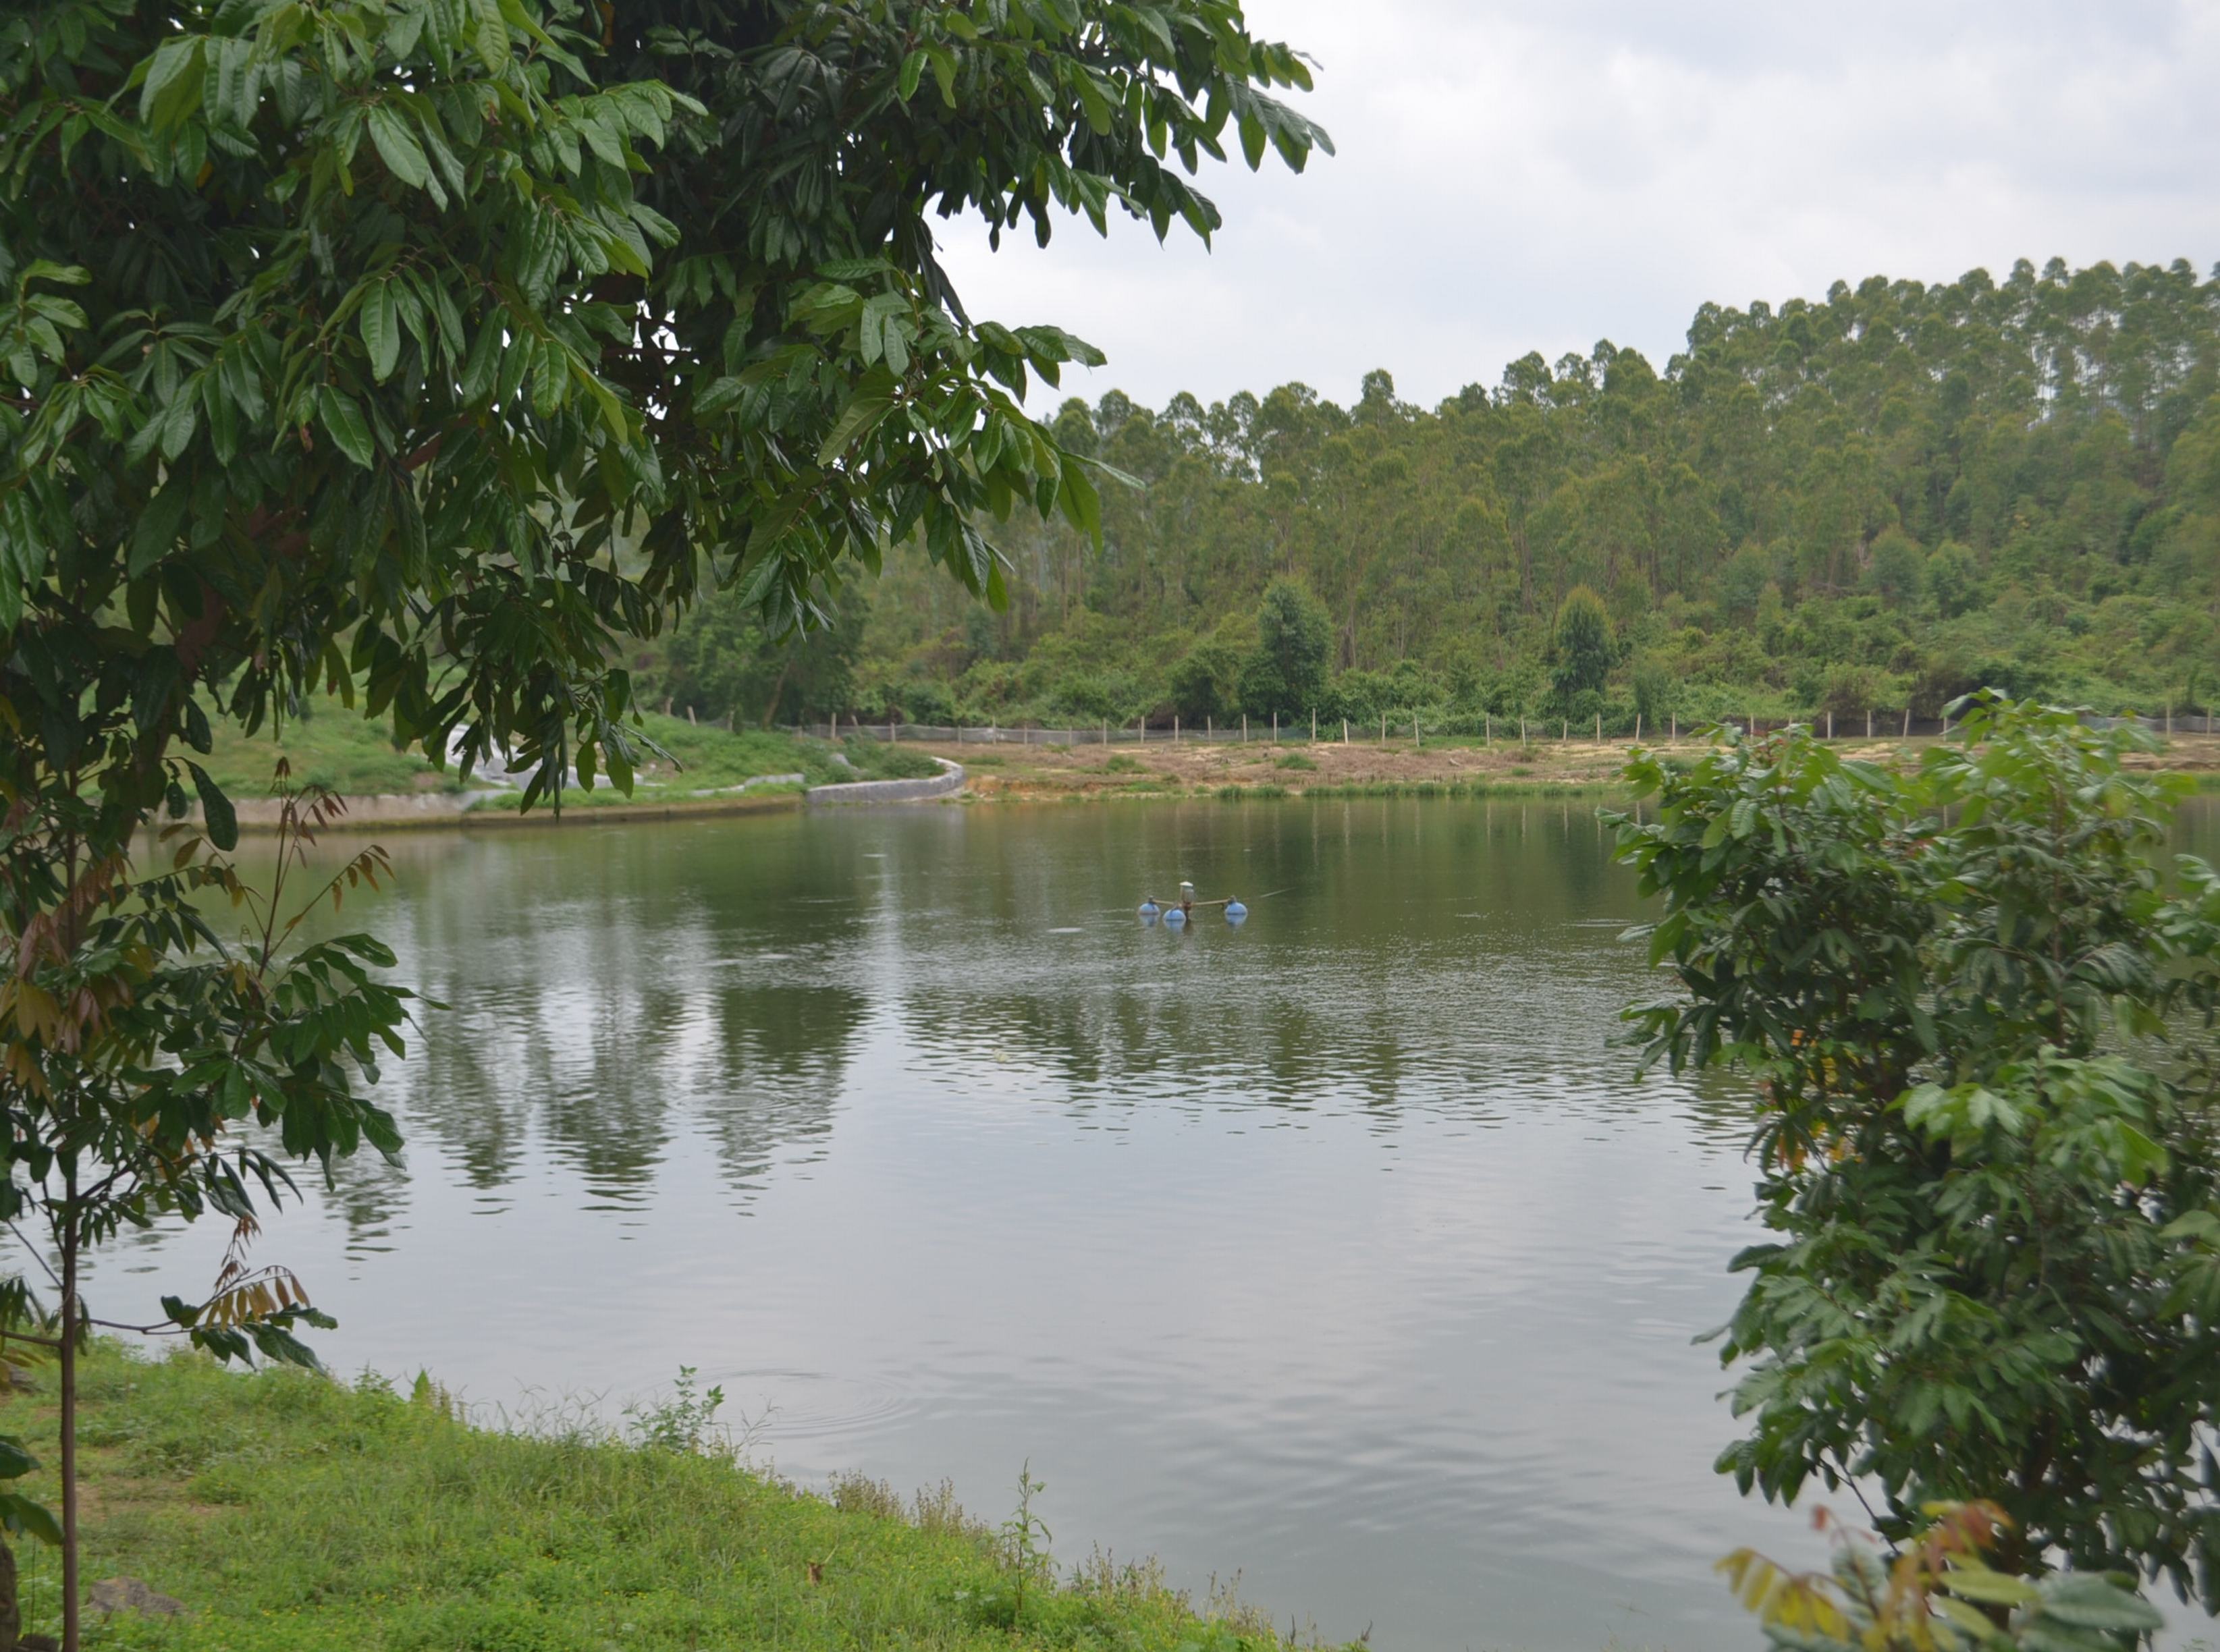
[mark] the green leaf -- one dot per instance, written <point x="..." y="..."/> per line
<point x="19" y="1514"/>
<point x="174" y="77"/>
<point x="344" y="420"/>
<point x="2089" y="1602"/>
<point x="1990" y="1588"/>
<point x="397" y="146"/>
<point x="215" y="808"/>
<point x="155" y="534"/>
<point x="15" y="1460"/>
<point x="862" y="414"/>
<point x="490" y="38"/>
<point x="381" y="329"/>
<point x="2193" y="1225"/>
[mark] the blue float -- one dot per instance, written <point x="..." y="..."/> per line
<point x="1175" y="917"/>
<point x="1235" y="912"/>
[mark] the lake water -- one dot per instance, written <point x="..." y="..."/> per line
<point x="1340" y="1250"/>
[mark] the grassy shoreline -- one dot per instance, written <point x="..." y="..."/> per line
<point x="287" y="1511"/>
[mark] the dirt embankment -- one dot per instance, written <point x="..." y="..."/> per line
<point x="1013" y="771"/>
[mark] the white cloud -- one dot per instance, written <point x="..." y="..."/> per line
<point x="1521" y="175"/>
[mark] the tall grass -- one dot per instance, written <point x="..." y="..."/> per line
<point x="291" y="1512"/>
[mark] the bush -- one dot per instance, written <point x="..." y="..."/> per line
<point x="1983" y="1120"/>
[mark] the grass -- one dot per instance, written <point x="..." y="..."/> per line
<point x="330" y="746"/>
<point x="710" y="761"/>
<point x="290" y="1511"/>
<point x="334" y="746"/>
<point x="1295" y="760"/>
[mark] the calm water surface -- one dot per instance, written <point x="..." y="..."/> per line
<point x="1340" y="1250"/>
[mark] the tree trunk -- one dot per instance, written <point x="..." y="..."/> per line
<point x="70" y="1608"/>
<point x="11" y="1613"/>
<point x="778" y="689"/>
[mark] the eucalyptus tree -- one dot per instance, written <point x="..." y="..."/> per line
<point x="421" y="349"/>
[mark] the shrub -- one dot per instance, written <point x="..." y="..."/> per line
<point x="1983" y="1120"/>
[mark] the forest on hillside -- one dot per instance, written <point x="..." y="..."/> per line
<point x="1874" y="502"/>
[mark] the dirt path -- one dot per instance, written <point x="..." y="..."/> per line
<point x="1014" y="771"/>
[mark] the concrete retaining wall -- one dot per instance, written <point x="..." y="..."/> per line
<point x="950" y="779"/>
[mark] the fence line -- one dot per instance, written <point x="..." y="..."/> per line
<point x="1897" y="724"/>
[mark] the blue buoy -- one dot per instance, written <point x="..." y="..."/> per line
<point x="1235" y="912"/>
<point x="1147" y="910"/>
<point x="1175" y="917"/>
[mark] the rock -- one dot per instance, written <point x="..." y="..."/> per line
<point x="129" y="1594"/>
<point x="38" y="1643"/>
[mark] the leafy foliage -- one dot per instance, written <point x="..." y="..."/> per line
<point x="1937" y="1594"/>
<point x="1979" y="1025"/>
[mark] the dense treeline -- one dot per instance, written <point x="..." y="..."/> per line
<point x="1876" y="500"/>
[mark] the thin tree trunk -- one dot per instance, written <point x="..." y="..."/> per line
<point x="778" y="688"/>
<point x="71" y="1610"/>
<point x="11" y="1611"/>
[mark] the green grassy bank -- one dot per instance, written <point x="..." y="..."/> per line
<point x="334" y="746"/>
<point x="290" y="1511"/>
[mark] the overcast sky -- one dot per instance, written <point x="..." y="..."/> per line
<point x="1519" y="175"/>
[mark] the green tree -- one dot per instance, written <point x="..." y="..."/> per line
<point x="1952" y="580"/>
<point x="722" y="660"/>
<point x="1206" y="681"/>
<point x="1978" y="1020"/>
<point x="1582" y="646"/>
<point x="1655" y="697"/>
<point x="1287" y="675"/>
<point x="426" y="351"/>
<point x="1893" y="567"/>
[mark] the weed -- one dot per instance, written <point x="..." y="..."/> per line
<point x="1295" y="760"/>
<point x="1023" y="1540"/>
<point x="686" y="1423"/>
<point x="1121" y="765"/>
